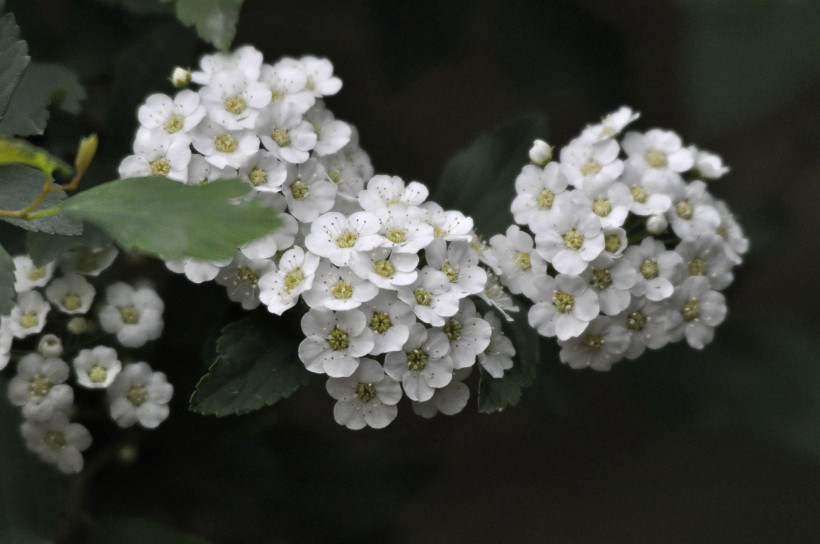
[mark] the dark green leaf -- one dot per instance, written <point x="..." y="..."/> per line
<point x="480" y="180"/>
<point x="496" y="394"/>
<point x="215" y="20"/>
<point x="140" y="531"/>
<point x="6" y="282"/>
<point x="162" y="217"/>
<point x="29" y="489"/>
<point x="41" y="86"/>
<point x="43" y="248"/>
<point x="13" y="60"/>
<point x="19" y="186"/>
<point x="255" y="367"/>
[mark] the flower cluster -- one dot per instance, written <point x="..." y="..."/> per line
<point x="386" y="274"/>
<point x="619" y="244"/>
<point x="50" y="325"/>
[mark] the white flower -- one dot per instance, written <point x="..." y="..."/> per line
<point x="449" y="400"/>
<point x="286" y="80"/>
<point x="27" y="276"/>
<point x="385" y="192"/>
<point x="234" y="101"/>
<point x="729" y="229"/>
<point x="246" y="58"/>
<point x="423" y="365"/>
<point x="71" y="294"/>
<point x="496" y="296"/>
<point x="139" y="395"/>
<point x="708" y="165"/>
<point x="241" y="277"/>
<point x="650" y="190"/>
<point x="280" y="289"/>
<point x="582" y="161"/>
<point x="88" y="261"/>
<point x="50" y="345"/>
<point x="565" y="306"/>
<point x="337" y="237"/>
<point x="645" y="322"/>
<point x="6" y="339"/>
<point x="57" y="441"/>
<point x="265" y="172"/>
<point x="705" y="256"/>
<point x="611" y="125"/>
<point x="498" y="355"/>
<point x="134" y="315"/>
<point x="320" y="78"/>
<point x="600" y="346"/>
<point x="609" y="200"/>
<point x="223" y="147"/>
<point x="157" y="153"/>
<point x="536" y="191"/>
<point x="694" y="311"/>
<point x="405" y="231"/>
<point x="385" y="268"/>
<point x="390" y="320"/>
<point x="308" y="191"/>
<point x="451" y="225"/>
<point x="658" y="270"/>
<point x="196" y="270"/>
<point x="29" y="314"/>
<point x="176" y="116"/>
<point x="459" y="262"/>
<point x="657" y="148"/>
<point x="540" y="153"/>
<point x="367" y="398"/>
<point x="611" y="280"/>
<point x="338" y="289"/>
<point x="468" y="335"/>
<point x="96" y="368"/>
<point x="570" y="239"/>
<point x="286" y="134"/>
<point x="38" y="386"/>
<point x="180" y="77"/>
<point x="334" y="342"/>
<point x="615" y="243"/>
<point x="200" y="171"/>
<point x="692" y="213"/>
<point x="430" y="297"/>
<point x="332" y="135"/>
<point x="518" y="261"/>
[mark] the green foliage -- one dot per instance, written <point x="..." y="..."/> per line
<point x="256" y="366"/>
<point x="43" y="248"/>
<point x="19" y="187"/>
<point x="13" y="60"/>
<point x="496" y="394"/>
<point x="162" y="217"/>
<point x="6" y="282"/>
<point x="141" y="531"/>
<point x="29" y="489"/>
<point x="215" y="20"/>
<point x="42" y="86"/>
<point x="478" y="179"/>
<point x="23" y="153"/>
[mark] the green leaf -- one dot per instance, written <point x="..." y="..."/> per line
<point x="215" y="20"/>
<point x="29" y="489"/>
<point x="44" y="248"/>
<point x="494" y="395"/>
<point x="256" y="366"/>
<point x="13" y="60"/>
<point x="140" y="531"/>
<point x="19" y="186"/>
<point x="158" y="216"/>
<point x="23" y="153"/>
<point x="480" y="180"/>
<point x="6" y="282"/>
<point x="41" y="86"/>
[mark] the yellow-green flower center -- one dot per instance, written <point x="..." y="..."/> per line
<point x="417" y="359"/>
<point x="545" y="199"/>
<point x="235" y="104"/>
<point x="451" y="272"/>
<point x="439" y="232"/>
<point x="246" y="275"/>
<point x="299" y="189"/>
<point x="684" y="209"/>
<point x="697" y="267"/>
<point x="71" y="302"/>
<point x="276" y="94"/>
<point x="649" y="268"/>
<point x="97" y="374"/>
<point x="37" y="273"/>
<point x="160" y="167"/>
<point x="573" y="239"/>
<point x="592" y="167"/>
<point x="174" y="123"/>
<point x="453" y="329"/>
<point x="129" y="315"/>
<point x="691" y="310"/>
<point x="397" y="236"/>
<point x="564" y="302"/>
<point x="384" y="268"/>
<point x="423" y="297"/>
<point x="381" y="322"/>
<point x="523" y="260"/>
<point x="29" y="320"/>
<point x="347" y="239"/>
<point x="137" y="394"/>
<point x="293" y="279"/>
<point x="338" y="339"/>
<point x="281" y="137"/>
<point x="225" y="143"/>
<point x="366" y="392"/>
<point x="258" y="177"/>
<point x="593" y="343"/>
<point x="636" y="321"/>
<point x="601" y="207"/>
<point x="655" y="158"/>
<point x="334" y="175"/>
<point x="639" y="194"/>
<point x="600" y="279"/>
<point x="39" y="386"/>
<point x="342" y="289"/>
<point x="612" y="243"/>
<point x="55" y="440"/>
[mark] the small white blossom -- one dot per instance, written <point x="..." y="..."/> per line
<point x="404" y="230"/>
<point x="694" y="312"/>
<point x="287" y="80"/>
<point x="611" y="125"/>
<point x="39" y="386"/>
<point x="570" y="239"/>
<point x="451" y="225"/>
<point x="331" y="135"/>
<point x="196" y="270"/>
<point x="565" y="306"/>
<point x="308" y="191"/>
<point x="337" y="237"/>
<point x="175" y="116"/>
<point x="157" y="153"/>
<point x="234" y="101"/>
<point x="518" y="261"/>
<point x="582" y="161"/>
<point x="540" y="153"/>
<point x="320" y="78"/>
<point x="180" y="77"/>
<point x="28" y="276"/>
<point x="96" y="368"/>
<point x="385" y="268"/>
<point x="708" y="165"/>
<point x="390" y="320"/>
<point x="50" y="345"/>
<point x="449" y="400"/>
<point x="459" y="262"/>
<point x="134" y="315"/>
<point x="29" y="314"/>
<point x="241" y="277"/>
<point x="660" y="149"/>
<point x="705" y="256"/>
<point x="498" y="355"/>
<point x="646" y="323"/>
<point x="430" y="297"/>
<point x="338" y="288"/>
<point x="601" y="345"/>
<point x="245" y="58"/>
<point x="286" y="134"/>
<point x="57" y="441"/>
<point x="223" y="147"/>
<point x="71" y="294"/>
<point x="280" y="289"/>
<point x="423" y="365"/>
<point x="611" y="280"/>
<point x="385" y="192"/>
<point x="536" y="192"/>
<point x="334" y="342"/>
<point x="265" y="172"/>
<point x="367" y="398"/>
<point x="468" y="335"/>
<point x="139" y="395"/>
<point x="658" y="270"/>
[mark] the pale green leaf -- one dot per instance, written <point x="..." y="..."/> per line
<point x="256" y="366"/>
<point x="162" y="217"/>
<point x="19" y="186"/>
<point x="6" y="282"/>
<point x="215" y="20"/>
<point x="13" y="60"/>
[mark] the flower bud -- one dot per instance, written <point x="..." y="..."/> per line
<point x="656" y="224"/>
<point x="77" y="325"/>
<point x="50" y="346"/>
<point x="181" y="77"/>
<point x="540" y="152"/>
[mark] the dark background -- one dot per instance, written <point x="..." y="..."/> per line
<point x="679" y="446"/>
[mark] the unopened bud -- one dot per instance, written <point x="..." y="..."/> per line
<point x="77" y="325"/>
<point x="50" y="346"/>
<point x="656" y="224"/>
<point x="181" y="77"/>
<point x="540" y="152"/>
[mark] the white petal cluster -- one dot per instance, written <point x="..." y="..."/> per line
<point x="619" y="244"/>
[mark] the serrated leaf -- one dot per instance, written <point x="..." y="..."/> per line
<point x="255" y="367"/>
<point x="496" y="394"/>
<point x="215" y="20"/>
<point x="29" y="489"/>
<point x="6" y="282"/>
<point x="162" y="217"/>
<point x="13" y="60"/>
<point x="140" y="531"/>
<point x="480" y="180"/>
<point x="19" y="186"/>
<point x="23" y="153"/>
<point x="44" y="248"/>
<point x="42" y="86"/>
